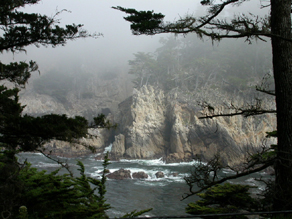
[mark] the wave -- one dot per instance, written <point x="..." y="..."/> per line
<point x="42" y="165"/>
<point x="108" y="148"/>
<point x="31" y="154"/>
<point x="158" y="162"/>
<point x="154" y="183"/>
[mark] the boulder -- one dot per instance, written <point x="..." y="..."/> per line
<point x="140" y="175"/>
<point x="174" y="174"/>
<point x="120" y="174"/>
<point x="159" y="174"/>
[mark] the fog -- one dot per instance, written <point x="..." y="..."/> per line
<point x="114" y="48"/>
<point x="111" y="52"/>
<point x="117" y="44"/>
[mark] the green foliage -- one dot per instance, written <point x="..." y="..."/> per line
<point x="227" y="198"/>
<point x="22" y="29"/>
<point x="26" y="192"/>
<point x="135" y="213"/>
<point x="33" y="132"/>
<point x="101" y="122"/>
<point x="23" y="212"/>
<point x="143" y="22"/>
<point x="22" y="132"/>
<point x="17" y="73"/>
<point x="272" y="134"/>
<point x="240" y="26"/>
<point x="52" y="195"/>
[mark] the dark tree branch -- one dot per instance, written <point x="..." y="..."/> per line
<point x="21" y="29"/>
<point x="252" y="27"/>
<point x="201" y="175"/>
<point x="62" y="164"/>
<point x="215" y="10"/>
<point x="270" y="92"/>
<point x="245" y="113"/>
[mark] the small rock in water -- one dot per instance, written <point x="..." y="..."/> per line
<point x="174" y="174"/>
<point x="140" y="175"/>
<point x="159" y="174"/>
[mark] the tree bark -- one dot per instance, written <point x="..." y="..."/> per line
<point x="282" y="63"/>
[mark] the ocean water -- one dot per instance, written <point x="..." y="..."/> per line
<point x="162" y="194"/>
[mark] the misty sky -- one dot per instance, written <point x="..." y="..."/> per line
<point x="117" y="45"/>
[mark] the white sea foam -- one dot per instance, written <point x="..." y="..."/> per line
<point x="228" y="171"/>
<point x="92" y="156"/>
<point x="42" y="164"/>
<point x="158" y="162"/>
<point x="191" y="163"/>
<point x="114" y="169"/>
<point x="154" y="183"/>
<point x="108" y="149"/>
<point x="155" y="162"/>
<point x="95" y="174"/>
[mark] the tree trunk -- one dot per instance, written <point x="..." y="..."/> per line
<point x="282" y="63"/>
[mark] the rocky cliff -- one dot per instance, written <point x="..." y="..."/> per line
<point x="153" y="124"/>
<point x="95" y="143"/>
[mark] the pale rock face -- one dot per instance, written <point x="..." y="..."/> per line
<point x="118" y="148"/>
<point x="142" y="121"/>
<point x="41" y="104"/>
<point x="153" y="124"/>
<point x="97" y="141"/>
<point x="157" y="125"/>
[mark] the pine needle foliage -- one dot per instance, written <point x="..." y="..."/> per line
<point x="54" y="195"/>
<point x="227" y="198"/>
<point x="136" y="213"/>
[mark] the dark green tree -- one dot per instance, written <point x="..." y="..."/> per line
<point x="26" y="192"/>
<point x="21" y="185"/>
<point x="54" y="195"/>
<point x="275" y="26"/>
<point x="19" y="29"/>
<point x="221" y="199"/>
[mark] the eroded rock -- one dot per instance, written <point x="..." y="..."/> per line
<point x="120" y="174"/>
<point x="118" y="148"/>
<point x="140" y="175"/>
<point x="159" y="174"/>
<point x="156" y="125"/>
